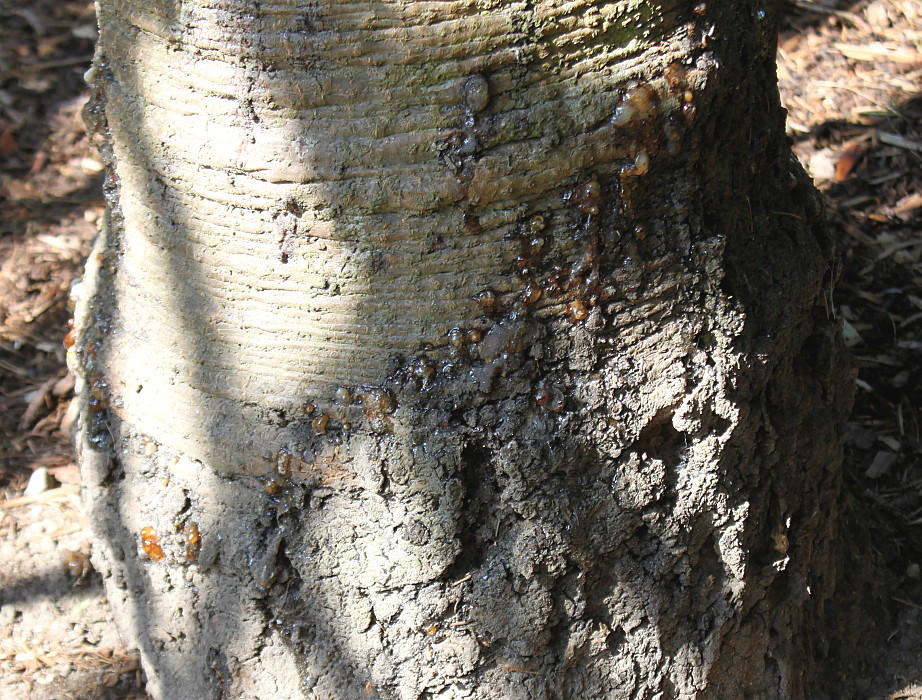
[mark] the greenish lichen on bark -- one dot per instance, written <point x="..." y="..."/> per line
<point x="508" y="377"/>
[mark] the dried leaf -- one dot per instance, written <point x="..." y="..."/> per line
<point x="40" y="402"/>
<point x="848" y="160"/>
<point x="8" y="143"/>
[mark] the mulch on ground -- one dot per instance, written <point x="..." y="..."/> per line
<point x="57" y="639"/>
<point x="851" y="79"/>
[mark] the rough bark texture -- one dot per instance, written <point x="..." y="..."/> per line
<point x="458" y="350"/>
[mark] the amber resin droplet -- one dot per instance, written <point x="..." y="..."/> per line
<point x="193" y="540"/>
<point x="542" y="396"/>
<point x="320" y="423"/>
<point x="150" y="543"/>
<point x="577" y="310"/>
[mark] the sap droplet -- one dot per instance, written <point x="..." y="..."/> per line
<point x="91" y="74"/>
<point x="641" y="98"/>
<point x="422" y="368"/>
<point x="283" y="462"/>
<point x="456" y="338"/>
<point x="193" y="540"/>
<point x="77" y="564"/>
<point x="589" y="196"/>
<point x="469" y="145"/>
<point x="638" y="103"/>
<point x="577" y="310"/>
<point x="592" y="189"/>
<point x="487" y="298"/>
<point x="673" y="134"/>
<point x="624" y="114"/>
<point x="448" y="369"/>
<point x="377" y="402"/>
<point x="542" y="396"/>
<point x="531" y="294"/>
<point x="150" y="543"/>
<point x="320" y="423"/>
<point x="641" y="164"/>
<point x="344" y="395"/>
<point x="675" y="75"/>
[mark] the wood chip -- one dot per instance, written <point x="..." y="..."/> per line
<point x="880" y="465"/>
<point x="878" y="52"/>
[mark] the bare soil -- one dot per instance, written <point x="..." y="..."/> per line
<point x="850" y="78"/>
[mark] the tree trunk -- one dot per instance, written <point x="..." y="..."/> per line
<point x="474" y="349"/>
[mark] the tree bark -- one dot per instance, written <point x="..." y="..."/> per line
<point x="459" y="350"/>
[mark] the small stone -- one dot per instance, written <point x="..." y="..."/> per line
<point x="822" y="165"/>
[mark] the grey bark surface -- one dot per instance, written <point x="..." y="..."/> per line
<point x="459" y="350"/>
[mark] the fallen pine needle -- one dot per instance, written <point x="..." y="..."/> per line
<point x="60" y="493"/>
<point x="908" y="602"/>
<point x="899" y="141"/>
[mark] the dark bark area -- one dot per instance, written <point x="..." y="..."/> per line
<point x="633" y="492"/>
